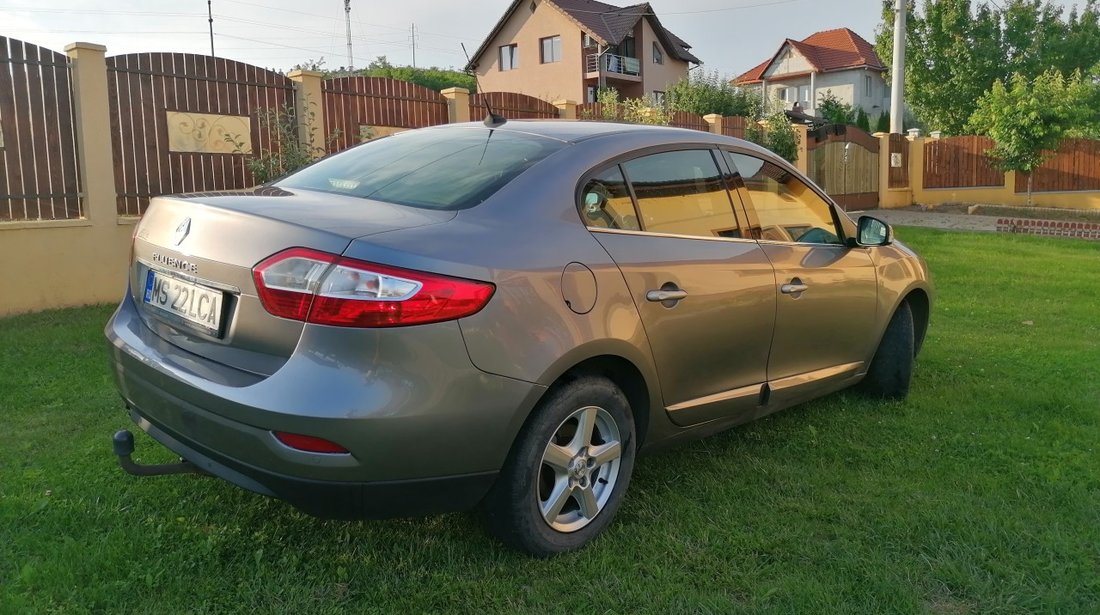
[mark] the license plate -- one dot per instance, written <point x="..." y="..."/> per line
<point x="195" y="304"/>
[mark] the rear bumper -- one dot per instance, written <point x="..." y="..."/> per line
<point x="426" y="430"/>
<point x="331" y="499"/>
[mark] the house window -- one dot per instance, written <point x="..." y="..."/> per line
<point x="804" y="95"/>
<point x="868" y="86"/>
<point x="658" y="57"/>
<point x="784" y="94"/>
<point x="588" y="41"/>
<point x="551" y="49"/>
<point x="509" y="57"/>
<point x="591" y="94"/>
<point x="659" y="97"/>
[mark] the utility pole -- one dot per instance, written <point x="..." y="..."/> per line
<point x="413" y="39"/>
<point x="210" y="20"/>
<point x="897" y="88"/>
<point x="347" y="19"/>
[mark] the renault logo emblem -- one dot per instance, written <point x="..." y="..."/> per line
<point x="181" y="232"/>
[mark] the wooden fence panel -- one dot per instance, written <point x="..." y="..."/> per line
<point x="1074" y="166"/>
<point x="39" y="172"/>
<point x="735" y="126"/>
<point x="143" y="88"/>
<point x="684" y="119"/>
<point x="899" y="161"/>
<point x="512" y="106"/>
<point x="960" y="162"/>
<point x="352" y="102"/>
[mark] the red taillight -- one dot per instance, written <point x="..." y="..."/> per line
<point x="326" y="289"/>
<point x="309" y="444"/>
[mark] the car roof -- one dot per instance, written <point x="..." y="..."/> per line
<point x="574" y="131"/>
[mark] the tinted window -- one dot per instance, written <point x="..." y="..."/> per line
<point x="606" y="203"/>
<point x="437" y="169"/>
<point x="782" y="207"/>
<point x="682" y="193"/>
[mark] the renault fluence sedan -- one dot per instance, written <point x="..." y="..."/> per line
<point x="501" y="317"/>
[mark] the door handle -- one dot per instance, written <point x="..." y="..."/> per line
<point x="660" y="296"/>
<point x="796" y="287"/>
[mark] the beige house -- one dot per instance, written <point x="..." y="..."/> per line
<point x="839" y="61"/>
<point x="567" y="49"/>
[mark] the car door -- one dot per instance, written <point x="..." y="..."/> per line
<point x="827" y="291"/>
<point x="706" y="295"/>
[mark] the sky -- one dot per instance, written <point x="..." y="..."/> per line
<point x="730" y="36"/>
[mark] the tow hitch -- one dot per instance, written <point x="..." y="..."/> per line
<point x="123" y="442"/>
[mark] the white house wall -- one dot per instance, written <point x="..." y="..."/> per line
<point x="789" y="62"/>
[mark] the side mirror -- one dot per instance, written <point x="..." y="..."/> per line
<point x="873" y="232"/>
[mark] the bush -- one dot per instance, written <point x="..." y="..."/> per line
<point x="834" y="111"/>
<point x="633" y="110"/>
<point x="776" y="134"/>
<point x="289" y="153"/>
<point x="704" y="93"/>
<point x="882" y="124"/>
<point x="863" y="121"/>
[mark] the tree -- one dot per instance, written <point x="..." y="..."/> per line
<point x="705" y="93"/>
<point x="957" y="49"/>
<point x="1027" y="119"/>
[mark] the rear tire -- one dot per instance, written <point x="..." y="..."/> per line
<point x="892" y="368"/>
<point x="567" y="472"/>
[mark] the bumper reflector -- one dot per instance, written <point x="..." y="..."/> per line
<point x="309" y="444"/>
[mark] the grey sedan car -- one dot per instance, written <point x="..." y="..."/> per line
<point x="501" y="317"/>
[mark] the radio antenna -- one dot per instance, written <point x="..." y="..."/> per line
<point x="492" y="120"/>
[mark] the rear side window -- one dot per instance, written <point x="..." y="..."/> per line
<point x="434" y="169"/>
<point x="607" y="202"/>
<point x="682" y="193"/>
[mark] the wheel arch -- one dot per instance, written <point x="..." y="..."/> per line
<point x="920" y="304"/>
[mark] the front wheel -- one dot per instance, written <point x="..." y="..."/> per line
<point x="565" y="478"/>
<point x="892" y="368"/>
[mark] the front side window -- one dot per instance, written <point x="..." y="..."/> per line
<point x="509" y="57"/>
<point x="434" y="169"/>
<point x="551" y="49"/>
<point x="658" y="57"/>
<point x="682" y="193"/>
<point x="782" y="207"/>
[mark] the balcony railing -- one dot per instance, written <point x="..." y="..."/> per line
<point x="613" y="64"/>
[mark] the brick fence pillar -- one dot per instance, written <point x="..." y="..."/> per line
<point x="458" y="104"/>
<point x="567" y="109"/>
<point x="717" y="123"/>
<point x="309" y="102"/>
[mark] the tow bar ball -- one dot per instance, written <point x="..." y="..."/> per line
<point x="123" y="444"/>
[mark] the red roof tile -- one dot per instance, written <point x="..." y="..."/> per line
<point x="826" y="51"/>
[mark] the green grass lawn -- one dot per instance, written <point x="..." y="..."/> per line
<point x="979" y="494"/>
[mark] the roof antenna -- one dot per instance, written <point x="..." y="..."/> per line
<point x="492" y="120"/>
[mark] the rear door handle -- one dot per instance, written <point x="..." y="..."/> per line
<point x="660" y="296"/>
<point x="796" y="287"/>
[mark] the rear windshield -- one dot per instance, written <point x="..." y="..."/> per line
<point x="436" y="169"/>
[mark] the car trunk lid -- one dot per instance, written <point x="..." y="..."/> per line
<point x="193" y="255"/>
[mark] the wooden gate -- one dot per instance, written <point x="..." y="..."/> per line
<point x="39" y="174"/>
<point x="170" y="113"/>
<point x="844" y="161"/>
